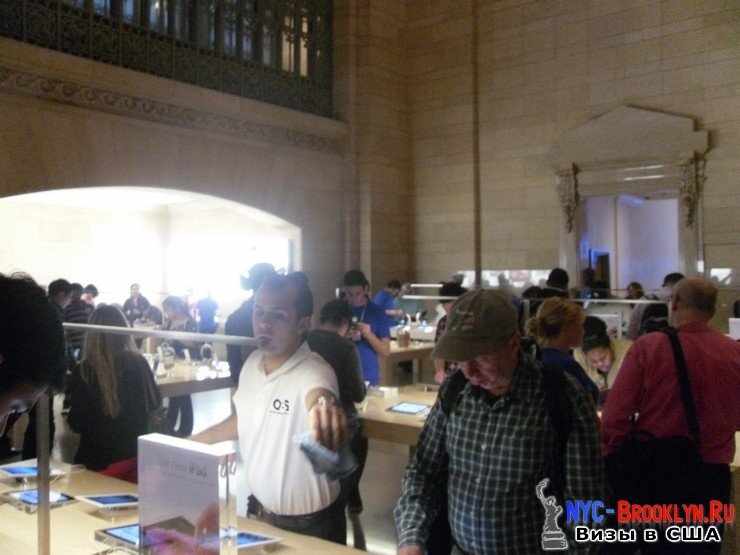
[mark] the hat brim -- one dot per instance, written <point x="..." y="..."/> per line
<point x="460" y="349"/>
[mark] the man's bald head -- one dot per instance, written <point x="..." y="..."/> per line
<point x="696" y="295"/>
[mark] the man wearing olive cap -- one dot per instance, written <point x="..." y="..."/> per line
<point x="497" y="442"/>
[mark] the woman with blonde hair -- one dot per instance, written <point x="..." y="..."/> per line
<point x="113" y="394"/>
<point x="558" y="328"/>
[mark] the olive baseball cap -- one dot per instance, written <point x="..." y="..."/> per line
<point x="479" y="322"/>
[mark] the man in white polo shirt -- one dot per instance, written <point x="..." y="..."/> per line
<point x="286" y="391"/>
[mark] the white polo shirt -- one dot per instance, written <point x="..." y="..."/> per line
<point x="271" y="411"/>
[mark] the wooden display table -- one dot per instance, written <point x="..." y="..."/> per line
<point x="381" y="424"/>
<point x="186" y="379"/>
<point x="416" y="352"/>
<point x="73" y="526"/>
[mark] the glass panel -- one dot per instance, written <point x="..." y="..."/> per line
<point x="288" y="62"/>
<point x="267" y="39"/>
<point x="158" y="15"/>
<point x="230" y="38"/>
<point x="102" y="7"/>
<point x="304" y="47"/>
<point x="129" y="9"/>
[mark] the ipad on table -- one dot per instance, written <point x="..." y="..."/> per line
<point x="128" y="536"/>
<point x="409" y="408"/>
<point x="28" y="500"/>
<point x="111" y="501"/>
<point x="21" y="471"/>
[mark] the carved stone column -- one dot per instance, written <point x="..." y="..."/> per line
<point x="690" y="234"/>
<point x="568" y="194"/>
<point x="567" y="186"/>
<point x="692" y="179"/>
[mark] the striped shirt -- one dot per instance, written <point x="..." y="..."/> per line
<point x="492" y="452"/>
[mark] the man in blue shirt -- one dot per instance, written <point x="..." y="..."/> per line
<point x="370" y="330"/>
<point x="386" y="299"/>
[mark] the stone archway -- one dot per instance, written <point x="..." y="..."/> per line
<point x="637" y="152"/>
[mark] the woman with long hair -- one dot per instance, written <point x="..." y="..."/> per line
<point x="558" y="328"/>
<point x="113" y="394"/>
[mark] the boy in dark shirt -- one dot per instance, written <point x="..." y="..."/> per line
<point x="329" y="341"/>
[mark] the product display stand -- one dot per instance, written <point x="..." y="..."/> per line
<point x="42" y="482"/>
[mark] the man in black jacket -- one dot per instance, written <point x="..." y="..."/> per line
<point x="240" y="321"/>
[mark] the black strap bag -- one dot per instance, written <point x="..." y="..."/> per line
<point x="650" y="470"/>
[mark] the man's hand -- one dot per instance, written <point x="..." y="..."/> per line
<point x="365" y="329"/>
<point x="328" y="422"/>
<point x="410" y="550"/>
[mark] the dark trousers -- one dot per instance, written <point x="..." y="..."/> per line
<point x="327" y="524"/>
<point x="351" y="484"/>
<point x="183" y="407"/>
<point x="713" y="483"/>
<point x="29" y="440"/>
<point x="440" y="537"/>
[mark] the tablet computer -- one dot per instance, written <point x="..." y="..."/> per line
<point x="28" y="500"/>
<point x="111" y="501"/>
<point x="20" y="471"/>
<point x="409" y="408"/>
<point x="128" y="536"/>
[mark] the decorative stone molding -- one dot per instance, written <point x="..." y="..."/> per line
<point x="692" y="181"/>
<point x="94" y="98"/>
<point x="568" y="194"/>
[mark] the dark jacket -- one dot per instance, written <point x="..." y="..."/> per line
<point x="239" y="323"/>
<point x="341" y="355"/>
<point x="135" y="309"/>
<point x="105" y="440"/>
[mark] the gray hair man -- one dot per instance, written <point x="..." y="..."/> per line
<point x="495" y="442"/>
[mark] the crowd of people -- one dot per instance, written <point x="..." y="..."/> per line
<point x="516" y="414"/>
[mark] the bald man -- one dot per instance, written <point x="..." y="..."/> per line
<point x="648" y="385"/>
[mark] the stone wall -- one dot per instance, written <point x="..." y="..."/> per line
<point x="372" y="98"/>
<point x="547" y="67"/>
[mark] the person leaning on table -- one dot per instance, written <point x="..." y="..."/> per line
<point x="285" y="392"/>
<point x="32" y="356"/>
<point x="600" y="355"/>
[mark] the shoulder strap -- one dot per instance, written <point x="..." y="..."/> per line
<point x="683" y="381"/>
<point x="559" y="410"/>
<point x="449" y="394"/>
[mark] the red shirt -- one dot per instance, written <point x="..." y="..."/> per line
<point x="647" y="385"/>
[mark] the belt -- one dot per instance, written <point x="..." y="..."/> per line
<point x="256" y="508"/>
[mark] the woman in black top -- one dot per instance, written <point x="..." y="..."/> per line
<point x="112" y="395"/>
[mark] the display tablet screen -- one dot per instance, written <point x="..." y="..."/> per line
<point x="245" y="539"/>
<point x="113" y="499"/>
<point x="128" y="534"/>
<point x="21" y="471"/>
<point x="32" y="496"/>
<point x="409" y="408"/>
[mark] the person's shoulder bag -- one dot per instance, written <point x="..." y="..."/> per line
<point x="649" y="469"/>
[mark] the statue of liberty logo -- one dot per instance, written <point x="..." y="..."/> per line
<point x="553" y="537"/>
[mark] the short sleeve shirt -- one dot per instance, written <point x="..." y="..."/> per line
<point x="271" y="413"/>
<point x="373" y="315"/>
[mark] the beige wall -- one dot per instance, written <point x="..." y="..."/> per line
<point x="50" y="143"/>
<point x="546" y="67"/>
<point x="372" y="99"/>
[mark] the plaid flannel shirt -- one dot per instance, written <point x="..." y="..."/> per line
<point x="491" y="453"/>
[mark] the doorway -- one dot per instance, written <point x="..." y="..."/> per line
<point x="628" y="238"/>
